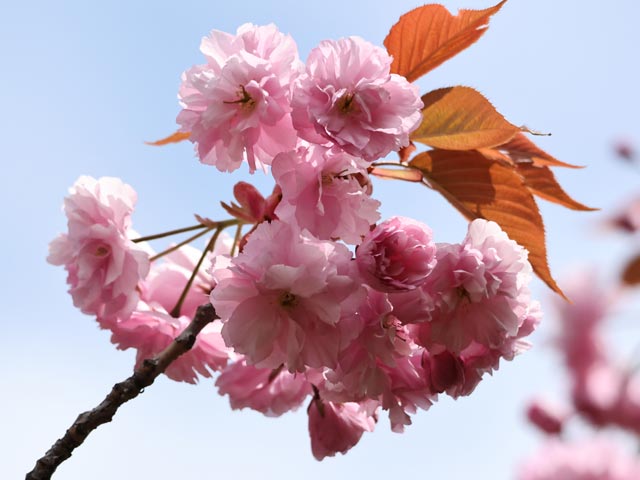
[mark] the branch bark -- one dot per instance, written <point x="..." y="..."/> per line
<point x="122" y="392"/>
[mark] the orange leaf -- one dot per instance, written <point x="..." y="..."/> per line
<point x="542" y="182"/>
<point x="631" y="273"/>
<point x="173" y="138"/>
<point x="481" y="188"/>
<point x="460" y="118"/>
<point x="521" y="149"/>
<point x="427" y="36"/>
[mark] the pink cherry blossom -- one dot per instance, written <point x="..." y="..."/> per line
<point x="397" y="255"/>
<point x="479" y="290"/>
<point x="347" y="97"/>
<point x="408" y="389"/>
<point x="325" y="191"/>
<point x="103" y="265"/>
<point x="237" y="105"/>
<point x="458" y="374"/>
<point x="599" y="459"/>
<point x="378" y="341"/>
<point x="271" y="392"/>
<point x="337" y="427"/>
<point x="280" y="298"/>
<point x="151" y="327"/>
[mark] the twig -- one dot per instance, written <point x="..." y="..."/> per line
<point x="178" y="245"/>
<point x="121" y="392"/>
<point x="175" y="312"/>
<point x="170" y="232"/>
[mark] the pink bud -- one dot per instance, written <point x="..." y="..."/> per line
<point x="251" y="203"/>
<point x="397" y="255"/>
<point x="624" y="149"/>
<point x="445" y="369"/>
<point x="547" y="416"/>
<point x="336" y="427"/>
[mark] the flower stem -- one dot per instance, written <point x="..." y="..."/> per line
<point x="177" y="246"/>
<point x="170" y="232"/>
<point x="236" y="240"/>
<point x="175" y="312"/>
<point x="400" y="171"/>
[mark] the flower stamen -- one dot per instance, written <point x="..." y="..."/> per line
<point x="287" y="300"/>
<point x="244" y="100"/>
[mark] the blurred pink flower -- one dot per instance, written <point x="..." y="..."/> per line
<point x="599" y="459"/>
<point x="237" y="105"/>
<point x="579" y="337"/>
<point x="397" y="255"/>
<point x="604" y="392"/>
<point x="549" y="417"/>
<point x="625" y="149"/>
<point x="327" y="192"/>
<point x="271" y="392"/>
<point x="627" y="218"/>
<point x="337" y="427"/>
<point x="347" y="97"/>
<point x="280" y="298"/>
<point x="103" y="265"/>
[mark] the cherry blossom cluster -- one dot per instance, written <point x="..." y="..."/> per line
<point x="603" y="391"/>
<point x="254" y="99"/>
<point x="321" y="301"/>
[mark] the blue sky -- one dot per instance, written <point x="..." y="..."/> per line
<point x="85" y="83"/>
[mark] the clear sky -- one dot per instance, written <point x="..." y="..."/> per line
<point x="84" y="83"/>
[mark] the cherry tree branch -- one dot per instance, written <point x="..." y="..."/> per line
<point x="122" y="392"/>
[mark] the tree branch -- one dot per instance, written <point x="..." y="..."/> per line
<point x="122" y="392"/>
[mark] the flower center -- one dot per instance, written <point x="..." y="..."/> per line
<point x="463" y="294"/>
<point x="102" y="251"/>
<point x="244" y="100"/>
<point x="287" y="300"/>
<point x="328" y="177"/>
<point x="346" y="104"/>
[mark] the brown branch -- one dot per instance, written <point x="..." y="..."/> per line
<point x="122" y="392"/>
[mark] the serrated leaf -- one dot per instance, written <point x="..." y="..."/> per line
<point x="541" y="182"/>
<point x="481" y="188"/>
<point x="426" y="36"/>
<point x="460" y="118"/>
<point x="173" y="138"/>
<point x="522" y="150"/>
<point x="631" y="273"/>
